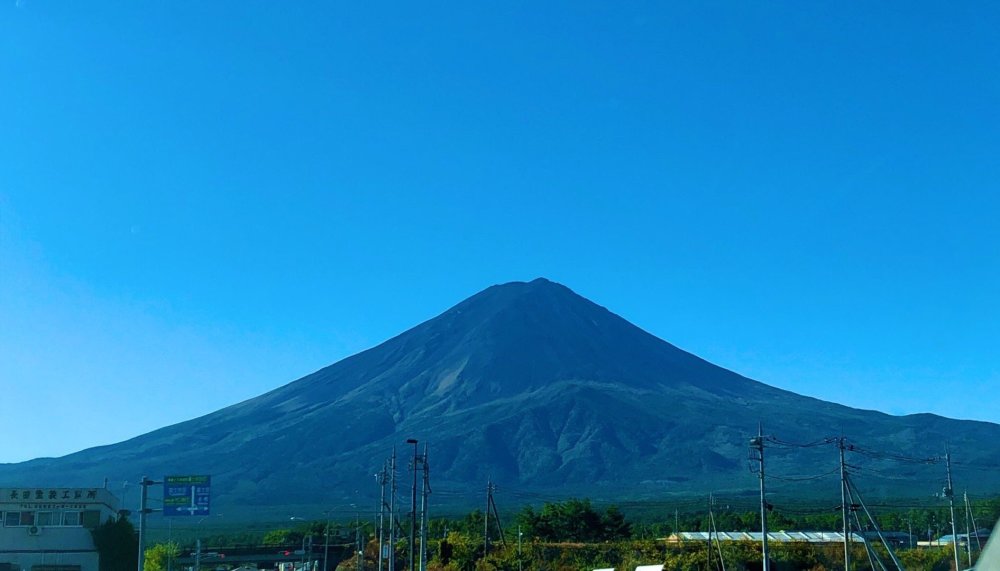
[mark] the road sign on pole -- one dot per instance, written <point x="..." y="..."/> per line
<point x="186" y="495"/>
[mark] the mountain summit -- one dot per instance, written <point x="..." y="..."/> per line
<point x="529" y="383"/>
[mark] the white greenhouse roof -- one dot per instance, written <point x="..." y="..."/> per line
<point x="776" y="536"/>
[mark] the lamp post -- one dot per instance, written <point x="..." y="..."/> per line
<point x="302" y="561"/>
<point x="413" y="505"/>
<point x="197" y="542"/>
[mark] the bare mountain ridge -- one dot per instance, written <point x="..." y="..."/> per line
<point x="528" y="383"/>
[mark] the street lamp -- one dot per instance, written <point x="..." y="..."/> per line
<point x="197" y="542"/>
<point x="413" y="505"/>
<point x="304" y="538"/>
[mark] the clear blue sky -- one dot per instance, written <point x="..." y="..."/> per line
<point x="201" y="201"/>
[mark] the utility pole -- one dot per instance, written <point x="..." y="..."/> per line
<point x="358" y="547"/>
<point x="519" y="534"/>
<point x="381" y="515"/>
<point x="306" y="551"/>
<point x="392" y="511"/>
<point x="709" y="558"/>
<point x="486" y="516"/>
<point x="712" y="528"/>
<point x="968" y="533"/>
<point x="852" y="493"/>
<point x="492" y="505"/>
<point x="949" y="491"/>
<point x="413" y="507"/>
<point x="972" y="516"/>
<point x="844" y="507"/>
<point x="425" y="492"/>
<point x="143" y="511"/>
<point x="326" y="541"/>
<point x="757" y="447"/>
<point x="142" y="523"/>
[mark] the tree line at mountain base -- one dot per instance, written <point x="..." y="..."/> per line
<point x="575" y="536"/>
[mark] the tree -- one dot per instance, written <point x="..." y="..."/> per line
<point x="574" y="520"/>
<point x="281" y="537"/>
<point x="117" y="545"/>
<point x="159" y="556"/>
<point x="614" y="526"/>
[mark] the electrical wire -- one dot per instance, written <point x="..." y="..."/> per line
<point x="788" y="444"/>
<point x="802" y="478"/>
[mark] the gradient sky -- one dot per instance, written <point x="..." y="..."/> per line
<point x="201" y="201"/>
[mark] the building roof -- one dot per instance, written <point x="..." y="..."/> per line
<point x="776" y="536"/>
<point x="982" y="533"/>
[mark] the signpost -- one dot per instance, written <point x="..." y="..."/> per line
<point x="186" y="495"/>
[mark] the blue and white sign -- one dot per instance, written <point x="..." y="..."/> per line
<point x="186" y="495"/>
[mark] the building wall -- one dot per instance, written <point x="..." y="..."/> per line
<point x="48" y="529"/>
<point x="50" y="561"/>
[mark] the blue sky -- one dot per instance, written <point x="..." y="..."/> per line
<point x="201" y="201"/>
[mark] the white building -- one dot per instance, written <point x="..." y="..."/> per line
<point x="48" y="529"/>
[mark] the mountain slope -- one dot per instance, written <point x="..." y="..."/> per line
<point x="528" y="383"/>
